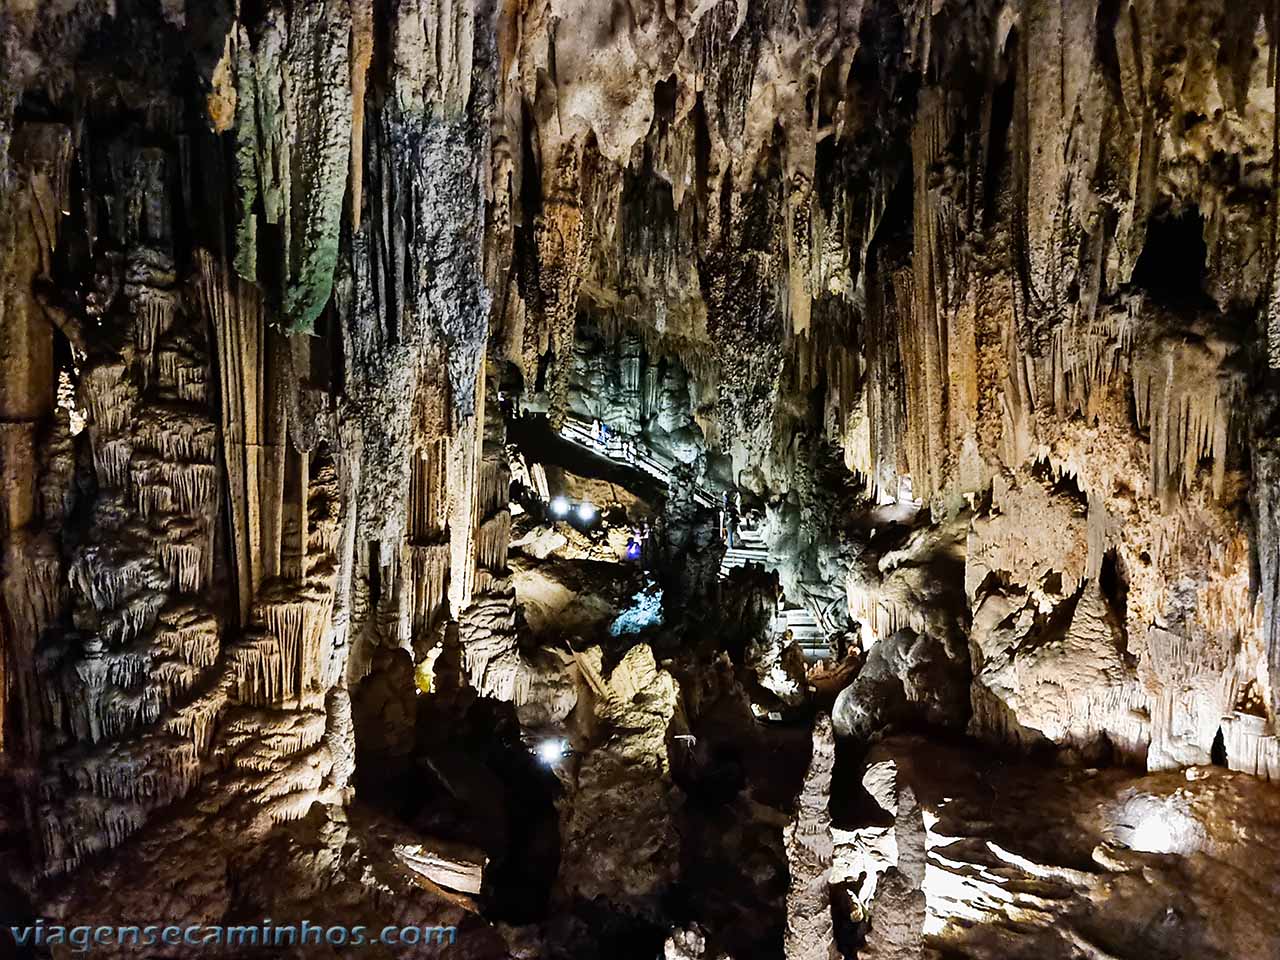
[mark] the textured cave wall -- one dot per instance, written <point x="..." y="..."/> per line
<point x="214" y="518"/>
<point x="974" y="303"/>
<point x="987" y="250"/>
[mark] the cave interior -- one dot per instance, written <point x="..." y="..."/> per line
<point x="615" y="479"/>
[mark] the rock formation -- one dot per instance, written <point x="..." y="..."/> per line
<point x="721" y="479"/>
<point x="809" y="847"/>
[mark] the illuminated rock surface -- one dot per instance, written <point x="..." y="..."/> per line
<point x="713" y="480"/>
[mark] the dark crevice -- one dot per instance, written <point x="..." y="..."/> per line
<point x="1114" y="584"/>
<point x="1218" y="752"/>
<point x="1171" y="268"/>
<point x="999" y="153"/>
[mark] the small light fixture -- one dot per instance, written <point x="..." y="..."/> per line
<point x="559" y="507"/>
<point x="586" y="512"/>
<point x="550" y="751"/>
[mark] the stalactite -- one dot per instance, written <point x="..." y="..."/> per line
<point x="174" y="434"/>
<point x="562" y="233"/>
<point x="881" y="616"/>
<point x="719" y="185"/>
<point x="1083" y="359"/>
<point x="361" y="55"/>
<point x="115" y="693"/>
<point x="185" y="564"/>
<point x="429" y="569"/>
<point x="1266" y="510"/>
<point x="195" y="720"/>
<point x="108" y="396"/>
<point x="108" y="576"/>
<point x="428" y="493"/>
<point x="1032" y="533"/>
<point x="491" y="542"/>
<point x="189" y="634"/>
<point x="252" y="425"/>
<point x="281" y="661"/>
<point x="299" y="625"/>
<point x="1192" y="685"/>
<point x="102" y="826"/>
<point x="1186" y="394"/>
<point x="464" y="458"/>
<point x="1272" y="322"/>
<point x="935" y="347"/>
<point x="1251" y="746"/>
<point x="162" y="487"/>
<point x="111" y="460"/>
<point x="31" y="208"/>
<point x="300" y="90"/>
<point x="257" y="665"/>
<point x="875" y="437"/>
<point x="492" y="489"/>
<point x="154" y="312"/>
<point x="799" y="227"/>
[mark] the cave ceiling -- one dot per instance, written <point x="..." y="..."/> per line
<point x="716" y="479"/>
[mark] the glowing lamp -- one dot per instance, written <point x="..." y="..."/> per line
<point x="559" y="507"/>
<point x="549" y="751"/>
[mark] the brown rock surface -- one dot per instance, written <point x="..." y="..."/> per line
<point x="956" y="323"/>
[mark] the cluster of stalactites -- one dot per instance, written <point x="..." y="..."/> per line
<point x="294" y="90"/>
<point x="487" y="629"/>
<point x="989" y="347"/>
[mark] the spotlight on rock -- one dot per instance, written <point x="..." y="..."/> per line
<point x="586" y="512"/>
<point x="559" y="507"/>
<point x="1160" y="825"/>
<point x="1154" y="834"/>
<point x="550" y="751"/>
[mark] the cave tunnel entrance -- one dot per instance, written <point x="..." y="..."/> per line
<point x="1172" y="269"/>
<point x="1218" y="752"/>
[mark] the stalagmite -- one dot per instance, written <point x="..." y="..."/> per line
<point x="809" y="849"/>
<point x="898" y="922"/>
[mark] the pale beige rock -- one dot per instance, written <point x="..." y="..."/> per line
<point x="808" y="843"/>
